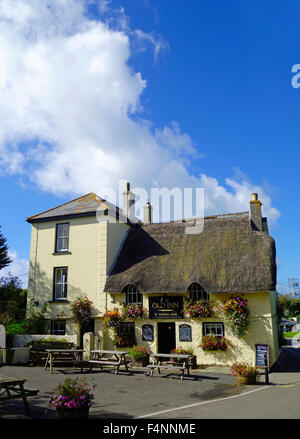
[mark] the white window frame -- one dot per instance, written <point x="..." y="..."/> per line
<point x="213" y="328"/>
<point x="198" y="293"/>
<point x="58" y="331"/>
<point x="64" y="238"/>
<point x="133" y="296"/>
<point x="62" y="282"/>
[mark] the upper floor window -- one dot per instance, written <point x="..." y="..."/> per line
<point x="198" y="293"/>
<point x="60" y="283"/>
<point x="133" y="296"/>
<point x="62" y="237"/>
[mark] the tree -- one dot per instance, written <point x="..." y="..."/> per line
<point x="12" y="299"/>
<point x="4" y="259"/>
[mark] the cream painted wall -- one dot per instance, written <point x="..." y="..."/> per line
<point x="262" y="330"/>
<point x="92" y="249"/>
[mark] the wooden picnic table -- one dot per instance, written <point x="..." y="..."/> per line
<point x="171" y="362"/>
<point x="13" y="388"/>
<point x="109" y="358"/>
<point x="73" y="356"/>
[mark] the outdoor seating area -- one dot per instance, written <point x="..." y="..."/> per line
<point x="172" y="363"/>
<point x="73" y="356"/>
<point x="38" y="349"/>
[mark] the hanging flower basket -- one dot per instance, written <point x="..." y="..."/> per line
<point x="198" y="309"/>
<point x="237" y="315"/>
<point x="112" y="318"/>
<point x="81" y="309"/>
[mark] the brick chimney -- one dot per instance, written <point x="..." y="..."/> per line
<point x="129" y="203"/>
<point x="255" y="213"/>
<point x="148" y="213"/>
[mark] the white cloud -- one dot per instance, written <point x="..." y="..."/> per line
<point x="18" y="267"/>
<point x="71" y="114"/>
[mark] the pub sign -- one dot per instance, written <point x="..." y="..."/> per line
<point x="166" y="307"/>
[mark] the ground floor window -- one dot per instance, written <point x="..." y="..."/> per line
<point x="58" y="327"/>
<point x="126" y="333"/>
<point x="213" y="329"/>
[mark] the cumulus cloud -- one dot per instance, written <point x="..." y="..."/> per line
<point x="71" y="114"/>
<point x="18" y="266"/>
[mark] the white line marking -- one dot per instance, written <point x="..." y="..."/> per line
<point x="203" y="402"/>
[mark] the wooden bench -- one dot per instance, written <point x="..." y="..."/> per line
<point x="171" y="363"/>
<point x="115" y="359"/>
<point x="63" y="356"/>
<point x="38" y="349"/>
<point x="13" y="388"/>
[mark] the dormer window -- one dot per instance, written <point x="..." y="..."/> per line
<point x="198" y="293"/>
<point x="62" y="237"/>
<point x="133" y="296"/>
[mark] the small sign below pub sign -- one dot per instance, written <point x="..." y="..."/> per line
<point x="166" y="307"/>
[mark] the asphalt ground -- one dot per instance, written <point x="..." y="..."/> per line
<point x="134" y="395"/>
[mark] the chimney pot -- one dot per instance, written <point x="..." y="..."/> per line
<point x="147" y="213"/>
<point x="129" y="203"/>
<point x="255" y="213"/>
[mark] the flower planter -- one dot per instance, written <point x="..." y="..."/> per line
<point x="80" y="413"/>
<point x="245" y="380"/>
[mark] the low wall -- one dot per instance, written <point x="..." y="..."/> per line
<point x="21" y="340"/>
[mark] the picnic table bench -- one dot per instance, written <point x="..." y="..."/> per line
<point x="170" y="362"/>
<point x="38" y="349"/>
<point x="109" y="358"/>
<point x="73" y="356"/>
<point x="13" y="388"/>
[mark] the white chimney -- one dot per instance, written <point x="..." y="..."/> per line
<point x="147" y="213"/>
<point x="129" y="203"/>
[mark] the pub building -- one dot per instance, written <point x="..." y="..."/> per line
<point x="165" y="269"/>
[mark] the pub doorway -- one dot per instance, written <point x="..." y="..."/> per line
<point x="166" y="337"/>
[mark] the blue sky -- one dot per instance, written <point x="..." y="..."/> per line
<point x="212" y="78"/>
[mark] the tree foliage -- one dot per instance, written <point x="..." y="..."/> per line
<point x="4" y="258"/>
<point x="12" y="299"/>
<point x="288" y="306"/>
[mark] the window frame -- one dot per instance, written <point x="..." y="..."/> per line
<point x="55" y="298"/>
<point x="200" y="291"/>
<point x="56" y="250"/>
<point x="136" y="296"/>
<point x="219" y="324"/>
<point x="58" y="332"/>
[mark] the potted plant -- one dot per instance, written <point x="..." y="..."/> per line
<point x="244" y="373"/>
<point x="139" y="355"/>
<point x="237" y="315"/>
<point x="198" y="309"/>
<point x="214" y="343"/>
<point x="72" y="399"/>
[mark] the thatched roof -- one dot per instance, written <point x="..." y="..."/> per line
<point x="228" y="256"/>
